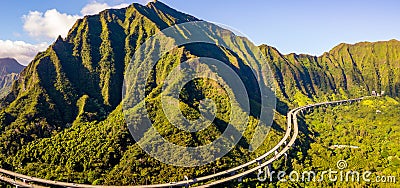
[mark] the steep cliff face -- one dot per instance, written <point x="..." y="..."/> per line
<point x="368" y="66"/>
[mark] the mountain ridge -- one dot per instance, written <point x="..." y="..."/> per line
<point x="10" y="65"/>
<point x="74" y="89"/>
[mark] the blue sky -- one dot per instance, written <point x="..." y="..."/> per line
<point x="311" y="27"/>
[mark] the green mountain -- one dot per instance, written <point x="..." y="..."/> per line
<point x="81" y="77"/>
<point x="63" y="118"/>
<point x="347" y="70"/>
<point x="9" y="72"/>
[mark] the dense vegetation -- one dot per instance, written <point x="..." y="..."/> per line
<point x="63" y="119"/>
<point x="348" y="70"/>
<point x="372" y="126"/>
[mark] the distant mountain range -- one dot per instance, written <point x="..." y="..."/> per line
<point x="9" y="71"/>
<point x="64" y="111"/>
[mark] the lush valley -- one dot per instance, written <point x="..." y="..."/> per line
<point x="63" y="119"/>
<point x="9" y="72"/>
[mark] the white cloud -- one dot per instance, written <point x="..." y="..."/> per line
<point x="146" y="1"/>
<point x="48" y="25"/>
<point x="23" y="52"/>
<point x="96" y="7"/>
